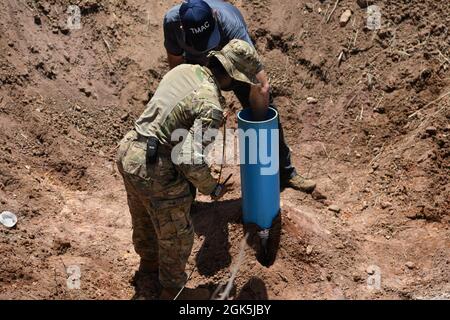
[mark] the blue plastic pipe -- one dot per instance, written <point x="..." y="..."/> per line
<point x="259" y="164"/>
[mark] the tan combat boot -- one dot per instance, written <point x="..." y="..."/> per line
<point x="186" y="294"/>
<point x="301" y="184"/>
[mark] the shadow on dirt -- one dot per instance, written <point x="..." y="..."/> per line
<point x="254" y="289"/>
<point x="146" y="286"/>
<point x="265" y="256"/>
<point x="211" y="221"/>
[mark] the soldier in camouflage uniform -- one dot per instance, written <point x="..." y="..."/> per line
<point x="159" y="193"/>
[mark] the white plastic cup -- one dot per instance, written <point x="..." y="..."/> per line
<point x="8" y="219"/>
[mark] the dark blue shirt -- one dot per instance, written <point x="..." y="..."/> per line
<point x="231" y="25"/>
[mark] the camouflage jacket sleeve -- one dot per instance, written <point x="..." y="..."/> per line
<point x="202" y="133"/>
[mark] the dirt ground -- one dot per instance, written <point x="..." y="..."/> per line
<point x="376" y="142"/>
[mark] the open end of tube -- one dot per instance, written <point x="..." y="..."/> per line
<point x="247" y="116"/>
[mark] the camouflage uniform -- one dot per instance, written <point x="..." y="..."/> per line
<point x="159" y="195"/>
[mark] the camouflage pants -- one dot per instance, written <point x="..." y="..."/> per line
<point x="159" y="200"/>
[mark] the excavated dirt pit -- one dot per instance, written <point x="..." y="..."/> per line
<point x="376" y="141"/>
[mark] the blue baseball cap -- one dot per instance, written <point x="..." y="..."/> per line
<point x="200" y="27"/>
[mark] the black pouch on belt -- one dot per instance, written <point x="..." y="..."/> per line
<point x="152" y="150"/>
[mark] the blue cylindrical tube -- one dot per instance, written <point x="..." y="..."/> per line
<point x="259" y="164"/>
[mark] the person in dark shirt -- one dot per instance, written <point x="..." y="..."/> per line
<point x="212" y="33"/>
<point x="195" y="28"/>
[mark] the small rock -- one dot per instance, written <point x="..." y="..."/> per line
<point x="125" y="116"/>
<point x="45" y="8"/>
<point x="311" y="100"/>
<point x="356" y="277"/>
<point x="64" y="29"/>
<point x="379" y="109"/>
<point x="385" y="204"/>
<point x="345" y="17"/>
<point x="37" y="20"/>
<point x="317" y="195"/>
<point x="334" y="208"/>
<point x="431" y="131"/>
<point x="370" y="270"/>
<point x="86" y="91"/>
<point x="410" y="265"/>
<point x="309" y="7"/>
<point x="340" y="246"/>
<point x="34" y="50"/>
<point x="309" y="249"/>
<point x="283" y="277"/>
<point x="441" y="143"/>
<point x="77" y="108"/>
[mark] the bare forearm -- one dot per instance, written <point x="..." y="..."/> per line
<point x="259" y="96"/>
